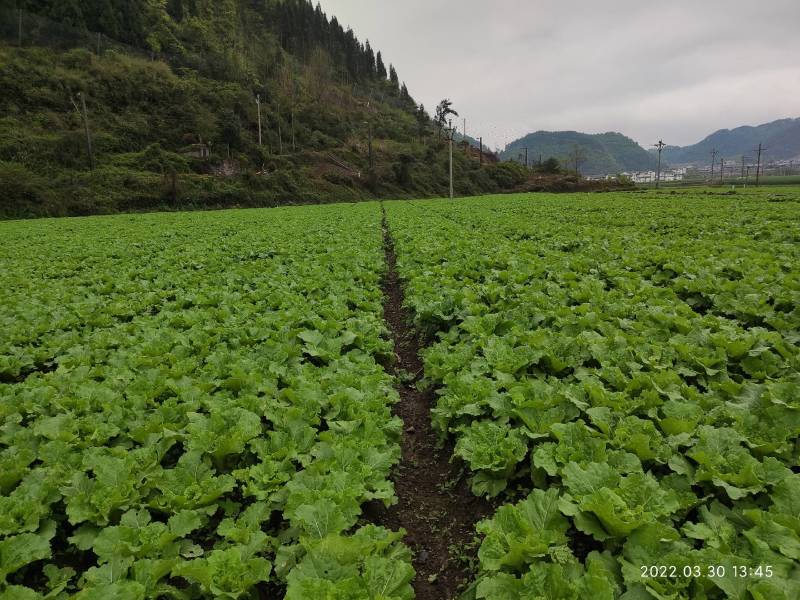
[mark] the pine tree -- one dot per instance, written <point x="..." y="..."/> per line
<point x="381" y="67"/>
<point x="422" y="121"/>
<point x="369" y="61"/>
<point x="393" y="78"/>
<point x="175" y="9"/>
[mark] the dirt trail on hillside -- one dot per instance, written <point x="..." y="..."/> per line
<point x="436" y="507"/>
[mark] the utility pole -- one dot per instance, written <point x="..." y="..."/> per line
<point x="369" y="137"/>
<point x="526" y="157"/>
<point x="294" y="145"/>
<point x="280" y="137"/>
<point x="85" y="115"/>
<point x="714" y="153"/>
<point x="758" y="167"/>
<point x="742" y="166"/>
<point x="452" y="133"/>
<point x="660" y="145"/>
<point x="721" y="171"/>
<point x="258" y="104"/>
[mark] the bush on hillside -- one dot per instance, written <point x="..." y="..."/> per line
<point x="24" y="193"/>
<point x="508" y="175"/>
<point x="153" y="159"/>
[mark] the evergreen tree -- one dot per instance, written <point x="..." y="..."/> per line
<point x="422" y="121"/>
<point x="224" y="37"/>
<point x="369" y="61"/>
<point x="231" y="130"/>
<point x="175" y="9"/>
<point x="382" y="74"/>
<point x="408" y="103"/>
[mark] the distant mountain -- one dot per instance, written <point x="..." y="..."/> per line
<point x="604" y="153"/>
<point x="780" y="138"/>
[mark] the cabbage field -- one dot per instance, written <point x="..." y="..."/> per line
<point x="210" y="405"/>
<point x="623" y="373"/>
<point x="192" y="406"/>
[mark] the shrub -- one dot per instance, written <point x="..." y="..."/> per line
<point x="24" y="193"/>
<point x="153" y="159"/>
<point x="508" y="175"/>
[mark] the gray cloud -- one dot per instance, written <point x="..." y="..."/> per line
<point x="650" y="70"/>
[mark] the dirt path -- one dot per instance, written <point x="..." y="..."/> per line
<point x="435" y="505"/>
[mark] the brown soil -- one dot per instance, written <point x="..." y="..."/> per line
<point x="435" y="507"/>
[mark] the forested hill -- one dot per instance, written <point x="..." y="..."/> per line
<point x="780" y="138"/>
<point x="170" y="89"/>
<point x="217" y="35"/>
<point x="598" y="154"/>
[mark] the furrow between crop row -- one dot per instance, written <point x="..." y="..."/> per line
<point x="435" y="506"/>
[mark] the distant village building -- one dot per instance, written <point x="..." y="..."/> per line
<point x="651" y="176"/>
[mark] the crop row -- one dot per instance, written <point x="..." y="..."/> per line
<point x="624" y="373"/>
<point x="193" y="406"/>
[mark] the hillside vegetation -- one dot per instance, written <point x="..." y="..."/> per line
<point x="600" y="154"/>
<point x="185" y="84"/>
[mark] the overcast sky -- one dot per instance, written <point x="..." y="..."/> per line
<point x="675" y="70"/>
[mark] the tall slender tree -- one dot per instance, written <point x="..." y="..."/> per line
<point x="369" y="61"/>
<point x="422" y="121"/>
<point x="381" y="67"/>
<point x="443" y="111"/>
<point x="405" y="96"/>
